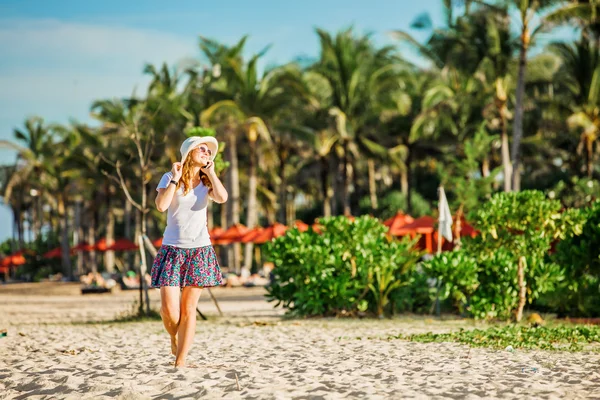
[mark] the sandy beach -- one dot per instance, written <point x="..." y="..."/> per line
<point x="61" y="344"/>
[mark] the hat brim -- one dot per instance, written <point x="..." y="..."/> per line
<point x="211" y="143"/>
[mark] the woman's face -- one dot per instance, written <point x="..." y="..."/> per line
<point x="201" y="155"/>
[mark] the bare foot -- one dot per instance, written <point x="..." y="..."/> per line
<point x="174" y="345"/>
<point x="184" y="365"/>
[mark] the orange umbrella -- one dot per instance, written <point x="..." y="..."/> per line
<point x="302" y="227"/>
<point x="216" y="232"/>
<point x="397" y="221"/>
<point x="422" y="225"/>
<point x="233" y="234"/>
<point x="54" y="253"/>
<point x="83" y="246"/>
<point x="101" y="245"/>
<point x="270" y="233"/>
<point x="13" y="260"/>
<point x="251" y="234"/>
<point x="123" y="245"/>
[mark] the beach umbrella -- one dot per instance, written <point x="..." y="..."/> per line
<point x="14" y="259"/>
<point x="397" y="221"/>
<point x="123" y="245"/>
<point x="423" y="226"/>
<point x="54" y="253"/>
<point x="251" y="234"/>
<point x="269" y="233"/>
<point x="302" y="227"/>
<point x="101" y="245"/>
<point x="233" y="234"/>
<point x="216" y="232"/>
<point x="83" y="246"/>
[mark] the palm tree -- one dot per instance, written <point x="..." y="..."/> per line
<point x="579" y="82"/>
<point x="253" y="101"/>
<point x="355" y="72"/>
<point x="527" y="11"/>
<point x="584" y="14"/>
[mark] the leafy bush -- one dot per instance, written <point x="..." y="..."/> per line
<point x="579" y="257"/>
<point x="456" y="272"/>
<point x="517" y="230"/>
<point x="350" y="266"/>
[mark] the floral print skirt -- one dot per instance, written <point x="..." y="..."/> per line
<point x="174" y="266"/>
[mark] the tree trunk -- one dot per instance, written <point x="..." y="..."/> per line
<point x="346" y="181"/>
<point x="589" y="158"/>
<point x="325" y="189"/>
<point x="109" y="256"/>
<point x="409" y="183"/>
<point x="127" y="218"/>
<point x="372" y="185"/>
<point x="506" y="160"/>
<point x="404" y="182"/>
<point x="519" y="107"/>
<point x="92" y="255"/>
<point x="522" y="288"/>
<point x="64" y="233"/>
<point x="252" y="212"/>
<point x="78" y="237"/>
<point x="283" y="195"/>
<point x="458" y="228"/>
<point x="234" y="192"/>
<point x="485" y="167"/>
<point x="19" y="220"/>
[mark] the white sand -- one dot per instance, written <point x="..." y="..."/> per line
<point x="253" y="353"/>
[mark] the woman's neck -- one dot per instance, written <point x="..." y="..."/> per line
<point x="195" y="171"/>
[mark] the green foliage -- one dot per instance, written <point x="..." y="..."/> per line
<point x="482" y="277"/>
<point x="462" y="175"/>
<point x="394" y="201"/>
<point x="457" y="273"/>
<point x="415" y="296"/>
<point x="576" y="193"/>
<point x="579" y="256"/>
<point x="200" y="131"/>
<point x="350" y="266"/>
<point x="572" y="338"/>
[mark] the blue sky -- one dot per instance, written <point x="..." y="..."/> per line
<point x="59" y="56"/>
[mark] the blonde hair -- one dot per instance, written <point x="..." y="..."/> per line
<point x="186" y="177"/>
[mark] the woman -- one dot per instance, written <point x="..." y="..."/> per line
<point x="186" y="261"/>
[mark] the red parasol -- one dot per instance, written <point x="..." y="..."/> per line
<point x="270" y="233"/>
<point x="123" y="245"/>
<point x="54" y="253"/>
<point x="302" y="227"/>
<point x="397" y="221"/>
<point x="233" y="234"/>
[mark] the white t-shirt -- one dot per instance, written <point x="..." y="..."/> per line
<point x="186" y="216"/>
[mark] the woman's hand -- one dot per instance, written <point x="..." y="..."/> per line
<point x="177" y="170"/>
<point x="209" y="168"/>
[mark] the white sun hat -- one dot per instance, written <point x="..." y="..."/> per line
<point x="192" y="142"/>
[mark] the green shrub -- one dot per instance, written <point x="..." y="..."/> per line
<point x="579" y="257"/>
<point x="350" y="266"/>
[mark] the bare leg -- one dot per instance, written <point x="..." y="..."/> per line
<point x="187" y="323"/>
<point x="169" y="312"/>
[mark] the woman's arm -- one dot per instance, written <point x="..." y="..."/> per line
<point x="165" y="195"/>
<point x="218" y="192"/>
